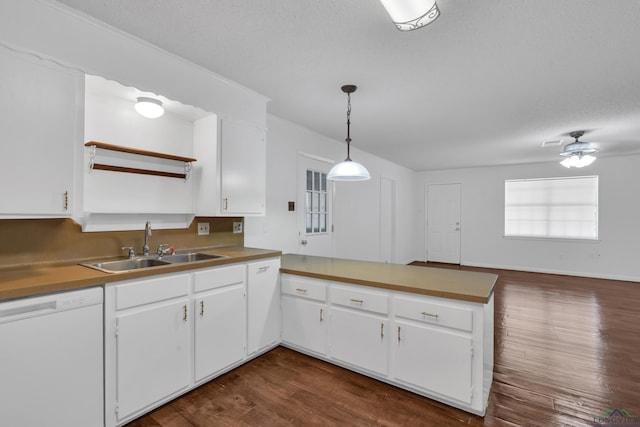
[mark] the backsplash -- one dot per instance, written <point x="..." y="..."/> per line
<point x="32" y="241"/>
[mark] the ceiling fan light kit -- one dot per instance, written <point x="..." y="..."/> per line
<point x="348" y="170"/>
<point x="578" y="154"/>
<point x="409" y="15"/>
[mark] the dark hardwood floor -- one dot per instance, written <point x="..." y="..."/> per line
<point x="566" y="350"/>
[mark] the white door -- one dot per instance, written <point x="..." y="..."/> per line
<point x="315" y="194"/>
<point x="443" y="223"/>
<point x="387" y="219"/>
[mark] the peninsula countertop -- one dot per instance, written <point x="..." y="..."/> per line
<point x="439" y="282"/>
<point x="45" y="278"/>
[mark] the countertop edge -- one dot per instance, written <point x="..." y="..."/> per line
<point x="393" y="287"/>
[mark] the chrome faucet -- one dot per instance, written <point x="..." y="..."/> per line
<point x="147" y="233"/>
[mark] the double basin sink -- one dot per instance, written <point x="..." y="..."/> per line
<point x="121" y="265"/>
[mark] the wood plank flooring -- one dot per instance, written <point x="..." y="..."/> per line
<point x="566" y="350"/>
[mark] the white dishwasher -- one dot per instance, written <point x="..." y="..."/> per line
<point x="51" y="360"/>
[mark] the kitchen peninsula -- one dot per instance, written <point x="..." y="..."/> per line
<point x="428" y="330"/>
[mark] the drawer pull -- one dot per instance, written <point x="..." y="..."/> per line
<point x="185" y="313"/>
<point x="434" y="315"/>
<point x="322" y="315"/>
<point x="304" y="291"/>
<point x="263" y="269"/>
<point x="357" y="301"/>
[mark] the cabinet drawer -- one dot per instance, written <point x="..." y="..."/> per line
<point x="148" y="291"/>
<point x="434" y="313"/>
<point x="304" y="288"/>
<point x="358" y="298"/>
<point x="219" y="277"/>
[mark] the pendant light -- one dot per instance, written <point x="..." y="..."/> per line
<point x="409" y="15"/>
<point x="578" y="154"/>
<point x="150" y="108"/>
<point x="348" y="170"/>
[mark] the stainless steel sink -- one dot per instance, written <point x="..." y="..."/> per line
<point x="121" y="265"/>
<point x="190" y="257"/>
<point x="126" y="264"/>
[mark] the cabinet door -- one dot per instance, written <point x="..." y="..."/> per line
<point x="243" y="169"/>
<point x="153" y="355"/>
<point x="220" y="330"/>
<point x="263" y="305"/>
<point x="359" y="339"/>
<point x="304" y="324"/>
<point x="38" y="122"/>
<point x="433" y="359"/>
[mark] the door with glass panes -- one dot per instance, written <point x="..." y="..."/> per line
<point x="315" y="194"/>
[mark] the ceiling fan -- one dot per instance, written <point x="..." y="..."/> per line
<point x="578" y="154"/>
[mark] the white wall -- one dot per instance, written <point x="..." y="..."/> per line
<point x="356" y="207"/>
<point x="614" y="256"/>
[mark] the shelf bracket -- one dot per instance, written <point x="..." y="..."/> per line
<point x="187" y="170"/>
<point x="92" y="156"/>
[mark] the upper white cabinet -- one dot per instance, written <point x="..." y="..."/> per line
<point x="40" y="121"/>
<point x="231" y="168"/>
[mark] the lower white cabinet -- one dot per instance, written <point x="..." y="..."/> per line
<point x="153" y="355"/>
<point x="220" y="317"/>
<point x="435" y="360"/>
<point x="148" y="352"/>
<point x="304" y="314"/>
<point x="263" y="305"/>
<point x="166" y="335"/>
<point x="359" y="339"/>
<point x="436" y="347"/>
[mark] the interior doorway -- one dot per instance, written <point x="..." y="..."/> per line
<point x="443" y="223"/>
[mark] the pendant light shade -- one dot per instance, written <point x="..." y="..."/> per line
<point x="348" y="170"/>
<point x="409" y="15"/>
<point x="150" y="108"/>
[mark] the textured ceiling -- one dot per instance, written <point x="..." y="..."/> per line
<point x="485" y="84"/>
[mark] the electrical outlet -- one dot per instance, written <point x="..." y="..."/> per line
<point x="203" y="229"/>
<point x="237" y="227"/>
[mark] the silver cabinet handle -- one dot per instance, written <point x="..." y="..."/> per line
<point x="202" y="308"/>
<point x="185" y="313"/>
<point x="357" y="301"/>
<point x="263" y="269"/>
<point x="381" y="330"/>
<point x="398" y="333"/>
<point x="301" y="290"/>
<point x="434" y="315"/>
<point x="322" y="315"/>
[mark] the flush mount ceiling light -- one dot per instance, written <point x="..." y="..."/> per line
<point x="409" y="15"/>
<point x="149" y="107"/>
<point x="348" y="170"/>
<point x="578" y="154"/>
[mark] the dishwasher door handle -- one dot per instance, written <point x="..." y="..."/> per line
<point x="32" y="308"/>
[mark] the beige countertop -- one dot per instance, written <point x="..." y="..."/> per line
<point x="41" y="279"/>
<point x="439" y="282"/>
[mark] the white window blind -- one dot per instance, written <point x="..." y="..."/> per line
<point x="552" y="207"/>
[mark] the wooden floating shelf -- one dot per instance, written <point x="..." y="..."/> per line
<point x="129" y="150"/>
<point x="95" y="144"/>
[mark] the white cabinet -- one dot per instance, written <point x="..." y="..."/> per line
<point x="436" y="347"/>
<point x="231" y="169"/>
<point x="304" y="314"/>
<point x="437" y="360"/>
<point x="220" y="319"/>
<point x="40" y="118"/>
<point x="263" y="305"/>
<point x="359" y="327"/>
<point x="148" y="353"/>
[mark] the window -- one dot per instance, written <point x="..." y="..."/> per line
<point x="552" y="208"/>
<point x="316" y="202"/>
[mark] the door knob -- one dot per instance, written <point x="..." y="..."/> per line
<point x="304" y="243"/>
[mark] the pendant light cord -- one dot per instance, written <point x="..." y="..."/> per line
<point x="348" y="126"/>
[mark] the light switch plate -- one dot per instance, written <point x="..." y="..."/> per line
<point x="237" y="227"/>
<point x="203" y="229"/>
